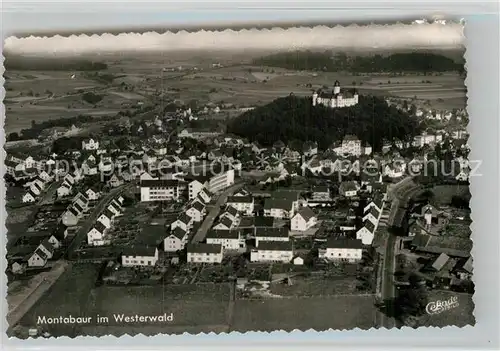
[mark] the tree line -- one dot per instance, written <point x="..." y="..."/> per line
<point x="325" y="61"/>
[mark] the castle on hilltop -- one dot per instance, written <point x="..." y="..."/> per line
<point x="334" y="98"/>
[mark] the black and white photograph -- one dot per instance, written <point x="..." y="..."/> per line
<point x="238" y="179"/>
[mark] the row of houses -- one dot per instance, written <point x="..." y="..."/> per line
<point x="96" y="236"/>
<point x="372" y="213"/>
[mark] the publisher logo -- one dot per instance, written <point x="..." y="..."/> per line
<point x="440" y="306"/>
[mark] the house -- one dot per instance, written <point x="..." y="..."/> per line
<point x="70" y="217"/>
<point x="105" y="166"/>
<point x="377" y="201"/>
<point x="244" y="204"/>
<point x="37" y="186"/>
<point x="303" y="220"/>
<point x="229" y="239"/>
<point x="351" y="145"/>
<point x="160" y="190"/>
<point x="225" y="223"/>
<point x="205" y="195"/>
<point x="37" y="259"/>
<point x="231" y="213"/>
<point x="321" y="193"/>
<point x="217" y="177"/>
<point x="64" y="190"/>
<point x="463" y="269"/>
<point x="95" y="237"/>
<point x="196" y="211"/>
<point x="90" y="144"/>
<point x="47" y="248"/>
<point x="349" y="250"/>
<point x="298" y="261"/>
<point x="440" y="261"/>
<point x="348" y="188"/>
<point x="92" y="194"/>
<point x="29" y="197"/>
<point x="373" y="215"/>
<point x="82" y="201"/>
<point x="142" y="256"/>
<point x="194" y="187"/>
<point x="89" y="168"/>
<point x="204" y="253"/>
<point x="106" y="218"/>
<point x="281" y="205"/>
<point x="271" y="234"/>
<point x="176" y="240"/>
<point x="366" y="233"/>
<point x="183" y="221"/>
<point x="272" y="251"/>
<point x="116" y="181"/>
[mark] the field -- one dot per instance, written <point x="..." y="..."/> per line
<point x="459" y="316"/>
<point x="340" y="312"/>
<point x="43" y="95"/>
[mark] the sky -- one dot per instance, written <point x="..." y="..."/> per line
<point x="394" y="36"/>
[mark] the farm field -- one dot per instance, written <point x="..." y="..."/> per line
<point x="304" y="287"/>
<point x="70" y="295"/>
<point x="459" y="316"/>
<point x="236" y="83"/>
<point x="340" y="312"/>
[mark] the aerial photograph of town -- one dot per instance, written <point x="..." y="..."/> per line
<point x="217" y="191"/>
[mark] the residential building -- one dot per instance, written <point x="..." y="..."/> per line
<point x="95" y="237"/>
<point x="281" y="205"/>
<point x="229" y="239"/>
<point x="348" y="188"/>
<point x="90" y="144"/>
<point x="194" y="187"/>
<point x="70" y="217"/>
<point x="183" y="221"/>
<point x="349" y="250"/>
<point x="351" y="145"/>
<point x="271" y="234"/>
<point x="29" y="197"/>
<point x="366" y="233"/>
<point x="141" y="256"/>
<point x="272" y="251"/>
<point x="196" y="211"/>
<point x="37" y="259"/>
<point x="372" y="215"/>
<point x="303" y="220"/>
<point x="160" y="190"/>
<point x="204" y="253"/>
<point x="92" y="194"/>
<point x="176" y="241"/>
<point x="244" y="204"/>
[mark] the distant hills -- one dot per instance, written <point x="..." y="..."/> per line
<point x="394" y="63"/>
<point x="294" y="118"/>
<point x="42" y="63"/>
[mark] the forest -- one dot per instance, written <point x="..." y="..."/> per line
<point x="372" y="120"/>
<point x="422" y="62"/>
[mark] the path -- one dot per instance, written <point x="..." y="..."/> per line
<point x="49" y="193"/>
<point x="214" y="212"/>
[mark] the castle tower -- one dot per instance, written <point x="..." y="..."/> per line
<point x="336" y="87"/>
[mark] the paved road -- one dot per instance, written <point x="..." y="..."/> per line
<point x="399" y="194"/>
<point x="92" y="218"/>
<point x="49" y="193"/>
<point x="214" y="212"/>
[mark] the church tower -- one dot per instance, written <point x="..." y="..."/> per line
<point x="336" y="87"/>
